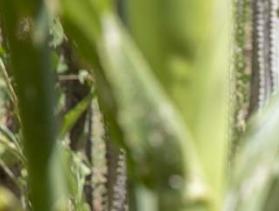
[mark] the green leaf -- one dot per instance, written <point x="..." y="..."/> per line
<point x="187" y="44"/>
<point x="33" y="75"/>
<point x="73" y="115"/>
<point x="154" y="134"/>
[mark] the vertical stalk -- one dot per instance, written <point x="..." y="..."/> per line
<point x="265" y="50"/>
<point x="241" y="71"/>
<point x="26" y="28"/>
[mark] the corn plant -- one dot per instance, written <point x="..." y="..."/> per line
<point x="139" y="105"/>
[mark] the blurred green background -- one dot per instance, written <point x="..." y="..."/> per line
<point x="141" y="105"/>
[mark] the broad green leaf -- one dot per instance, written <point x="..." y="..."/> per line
<point x="154" y="133"/>
<point x="32" y="71"/>
<point x="187" y="45"/>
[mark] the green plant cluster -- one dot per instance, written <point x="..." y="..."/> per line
<point x="134" y="105"/>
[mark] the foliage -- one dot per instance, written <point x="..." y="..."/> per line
<point x="95" y="91"/>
